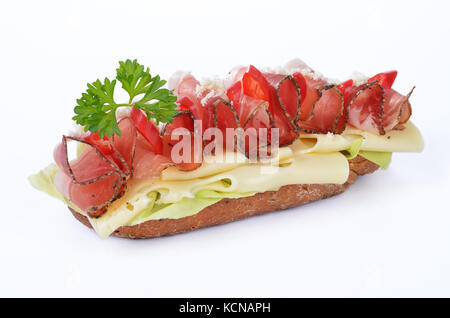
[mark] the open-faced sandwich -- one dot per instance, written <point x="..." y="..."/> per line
<point x="171" y="160"/>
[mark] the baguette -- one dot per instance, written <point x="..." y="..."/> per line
<point x="228" y="210"/>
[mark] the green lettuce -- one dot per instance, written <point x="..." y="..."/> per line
<point x="43" y="181"/>
<point x="184" y="208"/>
<point x="383" y="159"/>
<point x="353" y="150"/>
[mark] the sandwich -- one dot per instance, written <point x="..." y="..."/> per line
<point x="199" y="153"/>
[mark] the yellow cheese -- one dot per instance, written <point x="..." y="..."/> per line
<point x="407" y="140"/>
<point x="301" y="169"/>
<point x="121" y="212"/>
<point x="313" y="158"/>
<point x="320" y="143"/>
<point x="214" y="164"/>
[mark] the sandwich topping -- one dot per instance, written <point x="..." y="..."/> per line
<point x="257" y="114"/>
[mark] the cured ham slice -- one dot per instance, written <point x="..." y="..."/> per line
<point x="184" y="126"/>
<point x="91" y="181"/>
<point x="301" y="99"/>
<point x="248" y="107"/>
<point x="366" y="108"/>
<point x="377" y="109"/>
<point x="235" y="76"/>
<point x="297" y="99"/>
<point x="405" y="110"/>
<point x="346" y="89"/>
<point x="257" y="130"/>
<point x="285" y="105"/>
<point x="322" y="108"/>
<point x="199" y="102"/>
<point x="186" y="92"/>
<point x="251" y="97"/>
<point x="266" y="87"/>
<point x="183" y="84"/>
<point x="125" y="146"/>
<point x="287" y="94"/>
<point x="225" y="116"/>
<point x="397" y="109"/>
<point x="90" y="197"/>
<point x="148" y="164"/>
<point x="312" y="95"/>
<point x="94" y="180"/>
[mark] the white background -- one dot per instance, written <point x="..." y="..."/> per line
<point x="388" y="235"/>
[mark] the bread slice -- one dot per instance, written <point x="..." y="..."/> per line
<point x="227" y="210"/>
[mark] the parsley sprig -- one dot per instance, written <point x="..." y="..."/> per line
<point x="96" y="109"/>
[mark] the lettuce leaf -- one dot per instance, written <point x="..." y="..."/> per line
<point x="383" y="159"/>
<point x="353" y="150"/>
<point x="43" y="181"/>
<point x="184" y="208"/>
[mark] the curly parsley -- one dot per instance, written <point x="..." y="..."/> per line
<point x="96" y="109"/>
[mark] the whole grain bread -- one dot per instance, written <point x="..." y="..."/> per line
<point x="227" y="210"/>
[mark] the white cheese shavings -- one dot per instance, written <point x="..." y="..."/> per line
<point x="214" y="83"/>
<point x="199" y="89"/>
<point x="205" y="99"/>
<point x="359" y="78"/>
<point x="77" y="131"/>
<point x="298" y="66"/>
<point x="310" y="73"/>
<point x="123" y="111"/>
<point x="276" y="70"/>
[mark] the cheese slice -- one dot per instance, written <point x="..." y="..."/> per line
<point x="406" y="140"/>
<point x="312" y="159"/>
<point x="320" y="143"/>
<point x="216" y="164"/>
<point x="301" y="169"/>
<point x="121" y="212"/>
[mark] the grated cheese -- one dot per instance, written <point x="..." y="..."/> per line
<point x="359" y="78"/>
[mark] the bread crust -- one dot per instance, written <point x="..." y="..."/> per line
<point x="228" y="210"/>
